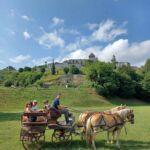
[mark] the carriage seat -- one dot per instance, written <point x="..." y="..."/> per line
<point x="54" y="114"/>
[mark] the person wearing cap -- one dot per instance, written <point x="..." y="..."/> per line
<point x="60" y="108"/>
<point x="34" y="106"/>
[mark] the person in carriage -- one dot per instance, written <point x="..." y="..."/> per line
<point x="47" y="106"/>
<point x="61" y="109"/>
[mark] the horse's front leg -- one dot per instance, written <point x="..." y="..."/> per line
<point x="113" y="137"/>
<point x="117" y="138"/>
<point x="108" y="138"/>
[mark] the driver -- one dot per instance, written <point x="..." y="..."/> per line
<point x="60" y="108"/>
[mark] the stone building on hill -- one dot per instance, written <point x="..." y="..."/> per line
<point x="76" y="62"/>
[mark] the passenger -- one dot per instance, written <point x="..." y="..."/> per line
<point x="60" y="108"/>
<point x="27" y="110"/>
<point x="47" y="106"/>
<point x="34" y="108"/>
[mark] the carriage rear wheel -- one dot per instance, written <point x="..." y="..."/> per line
<point x="32" y="141"/>
<point x="61" y="137"/>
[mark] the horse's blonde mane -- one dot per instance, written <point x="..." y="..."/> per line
<point x="123" y="113"/>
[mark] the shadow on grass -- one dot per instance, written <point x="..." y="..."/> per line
<point x="128" y="102"/>
<point x="79" y="145"/>
<point x="9" y="116"/>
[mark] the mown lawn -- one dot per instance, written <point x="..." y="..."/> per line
<point x="12" y="103"/>
<point x="137" y="138"/>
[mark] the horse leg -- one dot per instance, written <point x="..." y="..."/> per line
<point x="83" y="134"/>
<point x="113" y="137"/>
<point x="108" y="138"/>
<point x="117" y="138"/>
<point x="93" y="141"/>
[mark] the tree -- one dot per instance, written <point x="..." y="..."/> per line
<point x="27" y="69"/>
<point x="20" y="69"/>
<point x="74" y="70"/>
<point x="147" y="65"/>
<point x="66" y="70"/>
<point x="146" y="86"/>
<point x="42" y="69"/>
<point x="103" y="78"/>
<point x="53" y="70"/>
<point x="7" y="83"/>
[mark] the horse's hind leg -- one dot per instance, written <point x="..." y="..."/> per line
<point x="93" y="141"/>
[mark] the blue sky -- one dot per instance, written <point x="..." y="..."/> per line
<point x="35" y="31"/>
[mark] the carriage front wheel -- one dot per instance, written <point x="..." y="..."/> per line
<point x="61" y="137"/>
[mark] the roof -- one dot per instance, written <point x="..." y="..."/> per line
<point x="91" y="55"/>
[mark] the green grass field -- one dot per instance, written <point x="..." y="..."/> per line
<point x="12" y="103"/>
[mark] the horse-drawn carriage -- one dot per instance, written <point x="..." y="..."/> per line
<point x="112" y="121"/>
<point x="32" y="132"/>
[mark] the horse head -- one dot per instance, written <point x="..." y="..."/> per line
<point x="130" y="116"/>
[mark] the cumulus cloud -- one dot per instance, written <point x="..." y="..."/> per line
<point x="108" y="31"/>
<point x="41" y="61"/>
<point x="51" y="39"/>
<point x="26" y="35"/>
<point x="57" y="21"/>
<point x="20" y="58"/>
<point x="92" y="26"/>
<point x="135" y="53"/>
<point x="25" y="17"/>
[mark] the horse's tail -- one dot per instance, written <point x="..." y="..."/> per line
<point x="89" y="131"/>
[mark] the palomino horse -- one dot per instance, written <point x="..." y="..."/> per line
<point x="107" y="122"/>
<point x="85" y="115"/>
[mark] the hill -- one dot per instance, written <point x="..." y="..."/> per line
<point x="14" y="99"/>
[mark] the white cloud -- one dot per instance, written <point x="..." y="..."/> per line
<point x="92" y="26"/>
<point x="25" y="17"/>
<point x="69" y="31"/>
<point x="51" y="39"/>
<point x="135" y="53"/>
<point x="57" y="21"/>
<point x="107" y="31"/>
<point x="26" y="35"/>
<point x="41" y="61"/>
<point x="20" y="58"/>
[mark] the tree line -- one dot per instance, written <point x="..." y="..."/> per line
<point x="124" y="81"/>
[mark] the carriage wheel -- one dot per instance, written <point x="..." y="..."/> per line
<point x="61" y="137"/>
<point x="30" y="142"/>
<point x="41" y="138"/>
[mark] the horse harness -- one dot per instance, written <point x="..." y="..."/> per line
<point x="116" y="125"/>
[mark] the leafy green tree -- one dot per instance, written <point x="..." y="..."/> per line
<point x="66" y="70"/>
<point x="8" y="83"/>
<point x="20" y="69"/>
<point x="27" y="69"/>
<point x="126" y="86"/>
<point x="147" y="65"/>
<point x="103" y="78"/>
<point x="74" y="70"/>
<point x="146" y="86"/>
<point x="42" y="69"/>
